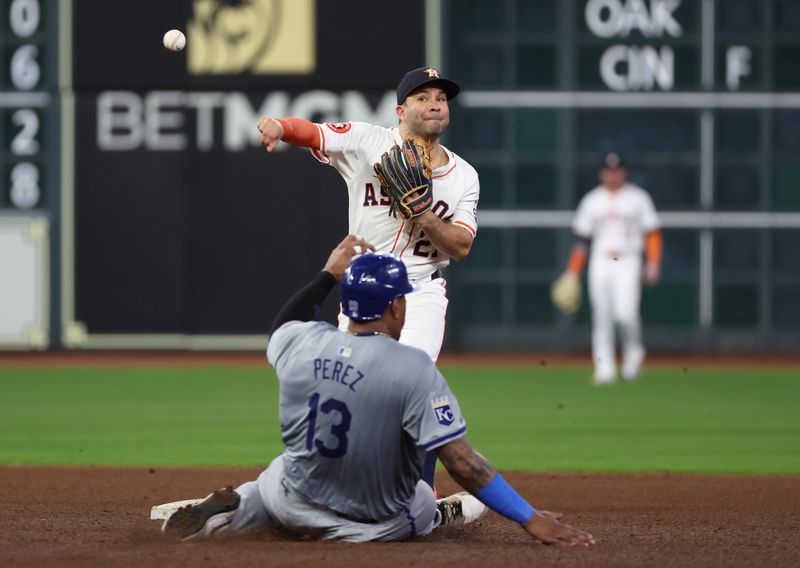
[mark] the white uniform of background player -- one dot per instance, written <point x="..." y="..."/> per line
<point x="617" y="216"/>
<point x="425" y="243"/>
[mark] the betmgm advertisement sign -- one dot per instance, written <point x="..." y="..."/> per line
<point x="182" y="221"/>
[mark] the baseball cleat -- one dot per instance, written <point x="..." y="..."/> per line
<point x="604" y="374"/>
<point x="632" y="364"/>
<point x="600" y="380"/>
<point x="212" y="514"/>
<point x="460" y="509"/>
<point x="631" y="376"/>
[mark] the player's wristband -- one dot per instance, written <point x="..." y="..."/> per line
<point x="499" y="496"/>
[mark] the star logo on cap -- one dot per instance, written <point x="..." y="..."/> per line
<point x="613" y="160"/>
<point x="432" y="72"/>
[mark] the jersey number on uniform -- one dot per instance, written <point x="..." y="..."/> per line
<point x="338" y="430"/>
<point x="423" y="246"/>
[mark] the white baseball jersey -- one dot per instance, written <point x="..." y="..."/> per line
<point x="616" y="221"/>
<point x="352" y="148"/>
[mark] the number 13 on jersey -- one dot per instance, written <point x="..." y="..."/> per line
<point x="338" y="431"/>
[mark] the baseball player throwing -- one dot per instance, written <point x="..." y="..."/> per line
<point x="345" y="395"/>
<point x="618" y="219"/>
<point x="427" y="238"/>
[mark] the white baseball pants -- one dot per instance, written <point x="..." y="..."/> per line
<point x="615" y="292"/>
<point x="426" y="312"/>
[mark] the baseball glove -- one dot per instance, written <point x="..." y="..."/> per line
<point x="405" y="174"/>
<point x="566" y="293"/>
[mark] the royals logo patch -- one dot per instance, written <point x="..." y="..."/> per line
<point x="444" y="414"/>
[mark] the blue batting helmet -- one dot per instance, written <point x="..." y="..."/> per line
<point x="371" y="283"/>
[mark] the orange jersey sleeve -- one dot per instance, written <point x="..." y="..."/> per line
<point x="577" y="260"/>
<point x="654" y="247"/>
<point x="300" y="132"/>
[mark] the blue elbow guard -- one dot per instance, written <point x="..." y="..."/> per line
<point x="499" y="496"/>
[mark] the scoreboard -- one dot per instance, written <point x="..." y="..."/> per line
<point x="28" y="91"/>
<point x="701" y="97"/>
<point x="29" y="172"/>
<point x="626" y="45"/>
<point x="687" y="86"/>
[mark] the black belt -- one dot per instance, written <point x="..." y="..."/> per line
<point x="436" y="274"/>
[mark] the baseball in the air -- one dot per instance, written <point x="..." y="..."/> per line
<point x="174" y="40"/>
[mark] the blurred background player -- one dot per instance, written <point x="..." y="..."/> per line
<point x="342" y="395"/>
<point x="425" y="243"/>
<point x="618" y="219"/>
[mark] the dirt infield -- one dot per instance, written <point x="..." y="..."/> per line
<point x="99" y="517"/>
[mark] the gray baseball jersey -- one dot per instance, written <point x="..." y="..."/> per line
<point x="357" y="416"/>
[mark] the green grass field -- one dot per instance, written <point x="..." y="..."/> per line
<point x="537" y="418"/>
